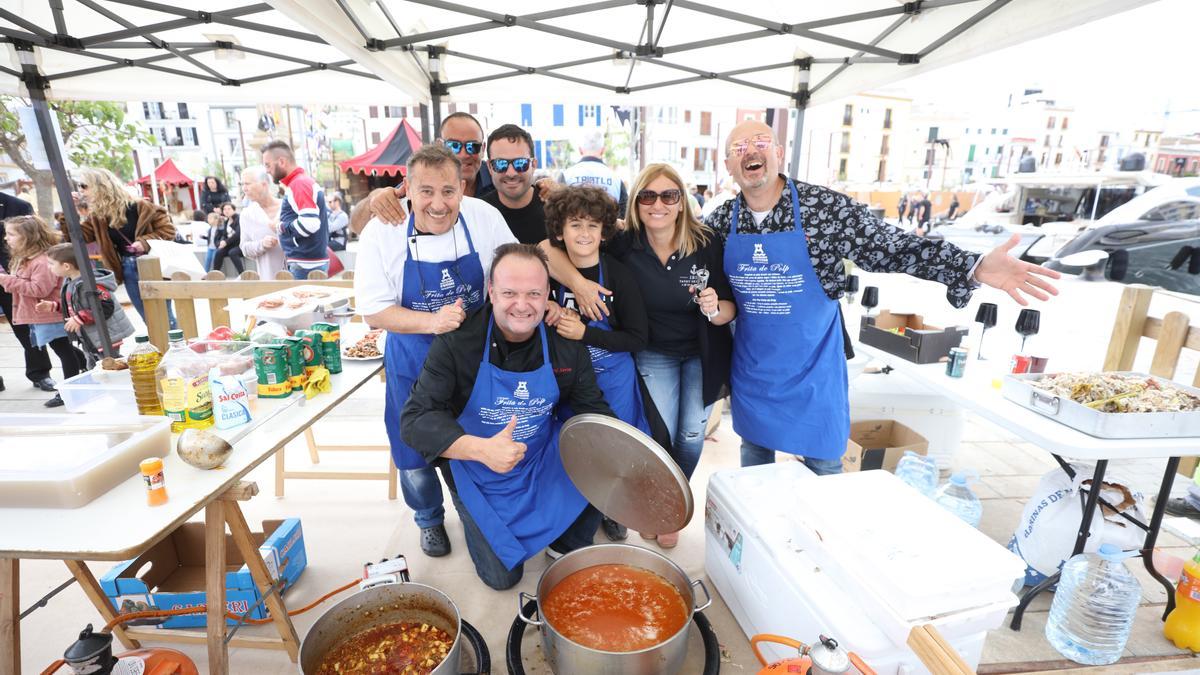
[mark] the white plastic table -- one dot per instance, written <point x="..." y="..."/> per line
<point x="119" y="525"/>
<point x="974" y="392"/>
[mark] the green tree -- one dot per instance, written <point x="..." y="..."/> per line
<point x="95" y="133"/>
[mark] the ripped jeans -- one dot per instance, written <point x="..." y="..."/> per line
<point x="676" y="386"/>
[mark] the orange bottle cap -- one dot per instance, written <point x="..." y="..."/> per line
<point x="151" y="465"/>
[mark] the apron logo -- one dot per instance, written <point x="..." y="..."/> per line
<point x="521" y="392"/>
<point x="759" y="255"/>
<point x="447" y="282"/>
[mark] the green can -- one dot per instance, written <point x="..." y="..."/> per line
<point x="331" y="345"/>
<point x="271" y="366"/>
<point x="295" y="360"/>
<point x="314" y="350"/>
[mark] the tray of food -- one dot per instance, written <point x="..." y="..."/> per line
<point x="1110" y="405"/>
<point x="296" y="301"/>
<point x="362" y="346"/>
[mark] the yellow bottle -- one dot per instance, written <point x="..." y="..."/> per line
<point x="143" y="368"/>
<point x="183" y="386"/>
<point x="1183" y="625"/>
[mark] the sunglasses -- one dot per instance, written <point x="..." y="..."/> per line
<point x="82" y="186"/>
<point x="760" y="143"/>
<point x="669" y="197"/>
<point x="520" y="164"/>
<point x="472" y="147"/>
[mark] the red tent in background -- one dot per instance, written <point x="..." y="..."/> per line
<point x="167" y="173"/>
<point x="169" y="179"/>
<point x="389" y="157"/>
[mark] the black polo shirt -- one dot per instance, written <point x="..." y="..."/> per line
<point x="528" y="224"/>
<point x="670" y="310"/>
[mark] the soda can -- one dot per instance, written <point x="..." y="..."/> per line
<point x="331" y="345"/>
<point x="271" y="366"/>
<point x="313" y="349"/>
<point x="1020" y="364"/>
<point x="295" y="361"/>
<point x="957" y="363"/>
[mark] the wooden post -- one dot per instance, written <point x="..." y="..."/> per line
<point x="157" y="321"/>
<point x="214" y="586"/>
<point x="262" y="578"/>
<point x="1170" y="343"/>
<point x="1127" y="328"/>
<point x="216" y="306"/>
<point x="10" y="613"/>
<point x="185" y="310"/>
<point x="91" y="588"/>
<point x="311" y="441"/>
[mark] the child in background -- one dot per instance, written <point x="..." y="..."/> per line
<point x="70" y="303"/>
<point x="33" y="286"/>
<point x="215" y="228"/>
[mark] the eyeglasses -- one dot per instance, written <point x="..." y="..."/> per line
<point x="82" y="186"/>
<point x="520" y="164"/>
<point x="472" y="147"/>
<point x="760" y="143"/>
<point x="669" y="197"/>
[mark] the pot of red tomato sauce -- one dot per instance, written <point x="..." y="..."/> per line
<point x="390" y="628"/>
<point x="615" y="609"/>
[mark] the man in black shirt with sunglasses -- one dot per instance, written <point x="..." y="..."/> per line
<point x="511" y="163"/>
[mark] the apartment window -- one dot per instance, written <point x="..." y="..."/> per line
<point x="1104" y="141"/>
<point x="705" y="123"/>
<point x="374" y="138"/>
<point x="403" y="111"/>
<point x="1057" y="159"/>
<point x="971" y="154"/>
<point x="1004" y="133"/>
<point x="526" y="114"/>
<point x="683" y="153"/>
<point x="979" y="132"/>
<point x="667" y="149"/>
<point x="152" y="111"/>
<point x="845" y="141"/>
<point x="842" y="169"/>
<point x="687" y="116"/>
<point x="993" y="131"/>
<point x="473" y="109"/>
<point x="233" y="146"/>
<point x="883" y="148"/>
<point x="1161" y="165"/>
<point x="698" y="162"/>
<point x="183" y="111"/>
<point x="230" y="119"/>
<point x="453" y="108"/>
<point x="1064" y="124"/>
<point x="848" y="115"/>
<point x="1047" y="141"/>
<point x="887" y="118"/>
<point x="373" y="111"/>
<point x="398" y="111"/>
<point x="558" y="115"/>
<point x="1050" y="123"/>
<point x="933" y="134"/>
<point x="928" y="156"/>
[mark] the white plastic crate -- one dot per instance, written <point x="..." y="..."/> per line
<point x="110" y="393"/>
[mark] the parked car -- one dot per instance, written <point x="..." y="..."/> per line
<point x="1157" y="253"/>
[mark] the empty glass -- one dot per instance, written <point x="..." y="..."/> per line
<point x="870" y="298"/>
<point x="1028" y="323"/>
<point x="985" y="316"/>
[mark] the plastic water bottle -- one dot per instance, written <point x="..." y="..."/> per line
<point x="957" y="498"/>
<point x="1094" y="607"/>
<point x="918" y="471"/>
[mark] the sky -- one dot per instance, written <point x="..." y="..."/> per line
<point x="1131" y="66"/>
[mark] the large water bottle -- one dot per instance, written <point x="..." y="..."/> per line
<point x="918" y="471"/>
<point x="957" y="498"/>
<point x="1094" y="607"/>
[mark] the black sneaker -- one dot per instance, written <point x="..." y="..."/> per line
<point x="45" y="384"/>
<point x="54" y="402"/>
<point x="435" y="543"/>
<point x="614" y="530"/>
<point x="1180" y="506"/>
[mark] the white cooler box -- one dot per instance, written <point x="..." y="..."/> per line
<point x="850" y="569"/>
<point x="898" y="397"/>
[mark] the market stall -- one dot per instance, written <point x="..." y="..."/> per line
<point x="382" y="165"/>
<point x="171" y="188"/>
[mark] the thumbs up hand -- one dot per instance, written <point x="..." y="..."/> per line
<point x="448" y="318"/>
<point x="503" y="452"/>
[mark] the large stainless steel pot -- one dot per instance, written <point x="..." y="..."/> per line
<point x="387" y="603"/>
<point x="568" y="658"/>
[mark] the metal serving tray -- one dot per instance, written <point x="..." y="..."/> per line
<point x="1020" y="390"/>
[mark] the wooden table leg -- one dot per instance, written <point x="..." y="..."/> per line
<point x="214" y="585"/>
<point x="262" y="578"/>
<point x="10" y="616"/>
<point x="311" y="441"/>
<point x="393" y="475"/>
<point x="91" y="588"/>
<point x="279" y="469"/>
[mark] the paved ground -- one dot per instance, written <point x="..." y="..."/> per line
<point x="348" y="522"/>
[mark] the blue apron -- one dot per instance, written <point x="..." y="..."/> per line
<point x="427" y="287"/>
<point x="616" y="374"/>
<point x="788" y="376"/>
<point x="522" y="511"/>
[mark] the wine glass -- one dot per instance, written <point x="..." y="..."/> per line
<point x="851" y="288"/>
<point x="870" y="298"/>
<point x="1028" y="323"/>
<point x="986" y="316"/>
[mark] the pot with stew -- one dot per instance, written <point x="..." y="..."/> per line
<point x="403" y="628"/>
<point x="614" y="609"/>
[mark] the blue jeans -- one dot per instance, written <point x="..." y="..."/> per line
<point x="754" y="455"/>
<point x="301" y="273"/>
<point x="423" y="494"/>
<point x="208" y="259"/>
<point x="130" y="271"/>
<point x="493" y="572"/>
<point x="676" y="386"/>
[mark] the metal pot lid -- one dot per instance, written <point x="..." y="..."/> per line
<point x="625" y="474"/>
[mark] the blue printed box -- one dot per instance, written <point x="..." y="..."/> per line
<point x="170" y="574"/>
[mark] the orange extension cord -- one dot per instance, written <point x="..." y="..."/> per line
<point x="199" y="609"/>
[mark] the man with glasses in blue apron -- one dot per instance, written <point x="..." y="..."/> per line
<point x="418" y="281"/>
<point x="784" y="245"/>
<point x="486" y="402"/>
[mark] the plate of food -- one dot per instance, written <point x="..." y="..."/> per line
<point x="292" y="302"/>
<point x="358" y="345"/>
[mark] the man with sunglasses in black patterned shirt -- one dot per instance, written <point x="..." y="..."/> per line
<point x="511" y="163"/>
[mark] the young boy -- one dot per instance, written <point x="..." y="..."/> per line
<point x="79" y="319"/>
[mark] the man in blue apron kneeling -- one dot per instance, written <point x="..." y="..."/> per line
<point x="485" y="404"/>
<point x="418" y="280"/>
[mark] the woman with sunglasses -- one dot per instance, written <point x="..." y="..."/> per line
<point x="676" y="261"/>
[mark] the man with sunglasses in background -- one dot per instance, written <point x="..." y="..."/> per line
<point x="511" y="163"/>
<point x="784" y="245"/>
<point x="591" y="170"/>
<point x="462" y="135"/>
<point x="421" y="280"/>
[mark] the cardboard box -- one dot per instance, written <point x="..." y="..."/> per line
<point x="170" y="574"/>
<point x="920" y="342"/>
<point x="879" y="444"/>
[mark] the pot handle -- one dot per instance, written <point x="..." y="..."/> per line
<point x="707" y="597"/>
<point x="523" y="597"/>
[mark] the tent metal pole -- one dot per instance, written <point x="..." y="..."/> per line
<point x="60" y="22"/>
<point x="797" y="135"/>
<point x="435" y="109"/>
<point x="426" y="124"/>
<point x="493" y="23"/>
<point x="35" y="84"/>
